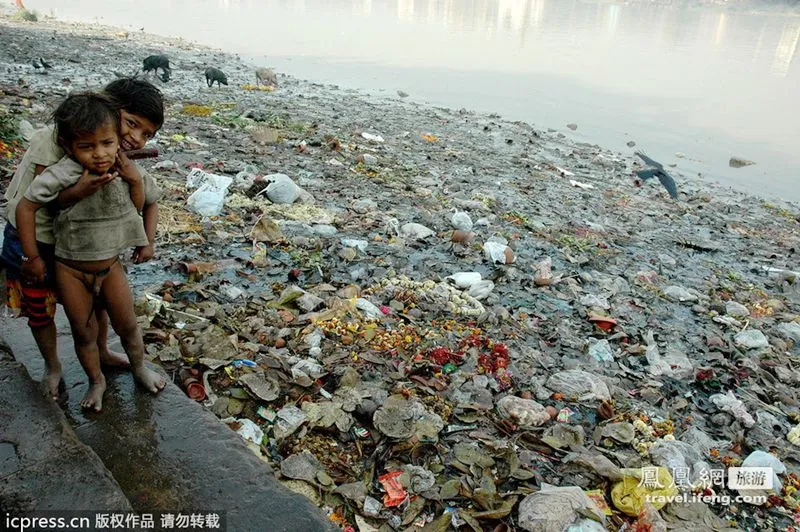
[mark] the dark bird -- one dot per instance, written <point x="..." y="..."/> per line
<point x="36" y="64"/>
<point x="657" y="171"/>
<point x="45" y="63"/>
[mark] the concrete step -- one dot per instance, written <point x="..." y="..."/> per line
<point x="167" y="452"/>
<point x="43" y="464"/>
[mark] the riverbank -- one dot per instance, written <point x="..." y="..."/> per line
<point x="620" y="310"/>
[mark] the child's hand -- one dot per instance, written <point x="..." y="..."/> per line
<point x="88" y="183"/>
<point x="34" y="270"/>
<point x="127" y="169"/>
<point x="143" y="253"/>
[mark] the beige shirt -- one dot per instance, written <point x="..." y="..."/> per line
<point x="45" y="151"/>
<point x="98" y="227"/>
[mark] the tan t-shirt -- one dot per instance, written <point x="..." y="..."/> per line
<point x="45" y="151"/>
<point x="98" y="227"/>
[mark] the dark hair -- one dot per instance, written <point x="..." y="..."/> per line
<point x="83" y="113"/>
<point x="138" y="97"/>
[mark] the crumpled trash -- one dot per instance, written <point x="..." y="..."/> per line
<point x="265" y="388"/>
<point x="246" y="429"/>
<point x="600" y="350"/>
<point x="301" y="466"/>
<point x="289" y="419"/>
<point x="415" y="231"/>
<point x="402" y="418"/>
<point x="578" y="385"/>
<point x="680" y="293"/>
<point x="621" y="432"/>
<point x="648" y="484"/>
<point x="729" y="403"/>
<point x="281" y="189"/>
<point x="395" y="494"/>
<point x="209" y="198"/>
<point x="764" y="459"/>
<point x="498" y="253"/>
<point x="680" y="456"/>
<point x="465" y="279"/>
<point x="555" y="508"/>
<point x="526" y="412"/>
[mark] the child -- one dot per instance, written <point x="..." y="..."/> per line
<point x="141" y="115"/>
<point x="90" y="235"/>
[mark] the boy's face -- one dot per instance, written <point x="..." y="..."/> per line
<point x="134" y="130"/>
<point x="96" y="151"/>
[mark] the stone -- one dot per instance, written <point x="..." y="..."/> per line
<point x="732" y="308"/>
<point x="751" y="339"/>
<point x="679" y="293"/>
<point x="739" y="162"/>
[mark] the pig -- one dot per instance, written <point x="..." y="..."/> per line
<point x="215" y="74"/>
<point x="266" y="76"/>
<point x="154" y="62"/>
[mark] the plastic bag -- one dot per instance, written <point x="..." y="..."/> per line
<point x="209" y="198"/>
<point x="649" y="484"/>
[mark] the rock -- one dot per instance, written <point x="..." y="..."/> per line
<point x="367" y="159"/>
<point x="544" y="273"/>
<point x="791" y="330"/>
<point x="525" y="412"/>
<point x="732" y="308"/>
<point x="679" y="293"/>
<point x="751" y="339"/>
<point x="461" y="221"/>
<point x="324" y="230"/>
<point x="572" y="126"/>
<point x="360" y="245"/>
<point x="402" y="94"/>
<point x="738" y="162"/>
<point x="631" y="144"/>
<point x="281" y="189"/>
<point x="364" y="205"/>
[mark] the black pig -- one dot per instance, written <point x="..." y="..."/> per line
<point x="154" y="62"/>
<point x="215" y="74"/>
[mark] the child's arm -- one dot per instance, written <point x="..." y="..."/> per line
<point x="145" y="253"/>
<point x="131" y="175"/>
<point x="87" y="185"/>
<point x="33" y="267"/>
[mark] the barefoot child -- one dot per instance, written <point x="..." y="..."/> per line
<point x="141" y="116"/>
<point x="90" y="235"/>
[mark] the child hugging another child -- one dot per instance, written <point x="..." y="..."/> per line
<point x="91" y="233"/>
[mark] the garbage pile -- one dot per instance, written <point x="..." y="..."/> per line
<point x="435" y="319"/>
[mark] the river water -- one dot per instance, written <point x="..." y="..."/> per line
<point x="691" y="85"/>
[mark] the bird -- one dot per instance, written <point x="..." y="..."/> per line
<point x="657" y="171"/>
<point x="45" y="63"/>
<point x="36" y="64"/>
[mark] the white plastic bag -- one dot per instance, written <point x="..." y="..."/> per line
<point x="209" y="198"/>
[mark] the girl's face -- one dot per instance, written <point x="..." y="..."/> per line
<point x="96" y="151"/>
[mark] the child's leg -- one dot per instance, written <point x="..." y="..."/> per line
<point x="77" y="301"/>
<point x="107" y="356"/>
<point x="116" y="293"/>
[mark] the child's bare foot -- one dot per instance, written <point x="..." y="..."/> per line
<point x="114" y="360"/>
<point x="152" y="381"/>
<point x="52" y="383"/>
<point x="93" y="400"/>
